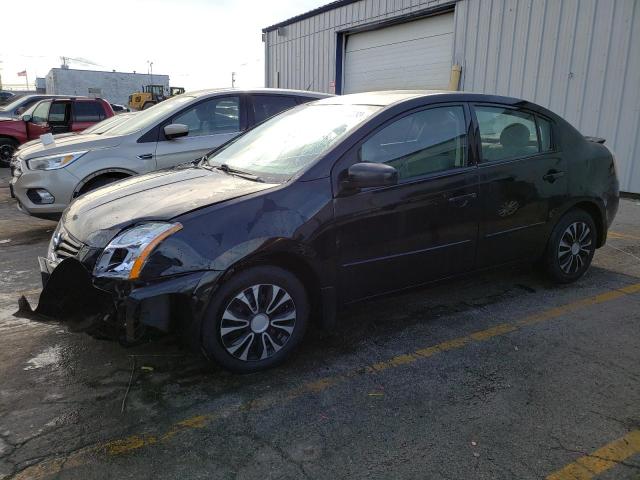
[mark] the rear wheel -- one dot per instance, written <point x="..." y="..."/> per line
<point x="256" y="319"/>
<point x="147" y="105"/>
<point x="571" y="247"/>
<point x="7" y="149"/>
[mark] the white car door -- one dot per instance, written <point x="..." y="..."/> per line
<point x="211" y="123"/>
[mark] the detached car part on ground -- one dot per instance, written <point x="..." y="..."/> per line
<point x="179" y="130"/>
<point x="329" y="203"/>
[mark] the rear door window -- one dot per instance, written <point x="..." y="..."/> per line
<point x="58" y="112"/>
<point x="87" y="111"/>
<point x="506" y="133"/>
<point x="546" y="134"/>
<point x="266" y="106"/>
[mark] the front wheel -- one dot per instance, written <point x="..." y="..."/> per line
<point x="7" y="149"/>
<point x="256" y="319"/>
<point x="571" y="247"/>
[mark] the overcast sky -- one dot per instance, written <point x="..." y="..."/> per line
<point x="198" y="43"/>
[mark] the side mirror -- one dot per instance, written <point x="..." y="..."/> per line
<point x="367" y="175"/>
<point x="176" y="130"/>
<point x="26" y="118"/>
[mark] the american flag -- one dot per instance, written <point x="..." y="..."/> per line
<point x="23" y="73"/>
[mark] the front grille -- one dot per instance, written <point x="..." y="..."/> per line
<point x="66" y="246"/>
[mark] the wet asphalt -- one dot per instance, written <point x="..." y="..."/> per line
<point x="499" y="375"/>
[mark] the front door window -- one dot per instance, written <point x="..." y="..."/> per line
<point x="425" y="142"/>
<point x="41" y="113"/>
<point x="211" y="117"/>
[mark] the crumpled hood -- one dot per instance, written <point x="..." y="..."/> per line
<point x="72" y="143"/>
<point x="94" y="218"/>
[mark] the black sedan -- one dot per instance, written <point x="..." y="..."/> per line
<point x="329" y="203"/>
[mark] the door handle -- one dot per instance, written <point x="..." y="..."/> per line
<point x="552" y="175"/>
<point x="146" y="156"/>
<point x="462" y="200"/>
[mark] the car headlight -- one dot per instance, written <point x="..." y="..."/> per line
<point x="53" y="243"/>
<point x="53" y="162"/>
<point x="125" y="255"/>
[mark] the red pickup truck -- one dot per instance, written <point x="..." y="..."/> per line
<point x="57" y="115"/>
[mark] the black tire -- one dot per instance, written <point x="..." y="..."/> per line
<point x="147" y="105"/>
<point x="571" y="247"/>
<point x="251" y="340"/>
<point x="7" y="149"/>
<point x="98" y="182"/>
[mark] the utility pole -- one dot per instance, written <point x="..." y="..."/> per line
<point x="150" y="71"/>
<point x="233" y="79"/>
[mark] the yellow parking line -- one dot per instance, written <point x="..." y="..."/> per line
<point x="136" y="442"/>
<point x="601" y="460"/>
<point x="622" y="235"/>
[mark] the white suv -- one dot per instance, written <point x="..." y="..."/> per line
<point x="179" y="130"/>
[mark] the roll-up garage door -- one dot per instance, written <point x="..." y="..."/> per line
<point x="411" y="55"/>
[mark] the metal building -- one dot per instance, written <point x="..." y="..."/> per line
<point x="114" y="87"/>
<point x="579" y="58"/>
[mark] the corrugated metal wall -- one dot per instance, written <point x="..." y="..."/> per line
<point x="306" y="55"/>
<point x="580" y="58"/>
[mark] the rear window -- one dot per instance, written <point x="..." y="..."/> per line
<point x="302" y="100"/>
<point x="266" y="106"/>
<point x="88" y="112"/>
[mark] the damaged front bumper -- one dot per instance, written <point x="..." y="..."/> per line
<point x="119" y="309"/>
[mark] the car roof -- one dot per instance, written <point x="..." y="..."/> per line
<point x="70" y="98"/>
<point x="43" y="96"/>
<point x="387" y="98"/>
<point x="380" y="98"/>
<point x="275" y="91"/>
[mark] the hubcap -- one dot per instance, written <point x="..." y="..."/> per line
<point x="575" y="248"/>
<point x="258" y="322"/>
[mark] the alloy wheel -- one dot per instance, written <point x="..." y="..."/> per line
<point x="575" y="248"/>
<point x="258" y="322"/>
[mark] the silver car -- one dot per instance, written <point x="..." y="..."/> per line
<point x="179" y="130"/>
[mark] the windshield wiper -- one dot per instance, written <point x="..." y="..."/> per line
<point x="232" y="171"/>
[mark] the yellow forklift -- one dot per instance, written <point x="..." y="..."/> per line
<point x="150" y="95"/>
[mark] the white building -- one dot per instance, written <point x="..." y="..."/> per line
<point x="579" y="58"/>
<point x="114" y="87"/>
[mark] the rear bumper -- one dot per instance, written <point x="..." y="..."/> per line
<point x="71" y="294"/>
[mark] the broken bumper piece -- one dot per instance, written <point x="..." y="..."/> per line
<point x="116" y="310"/>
